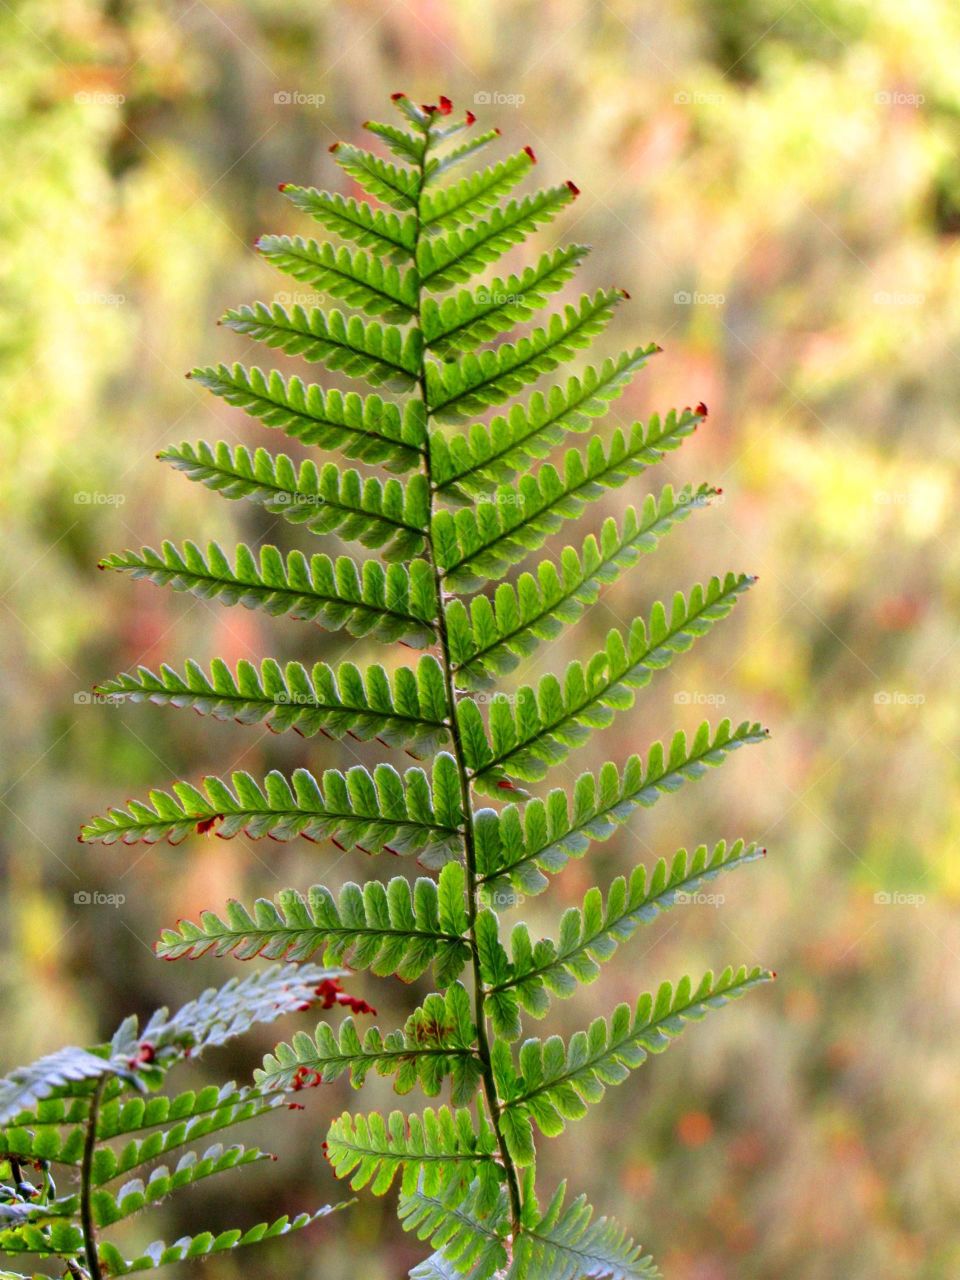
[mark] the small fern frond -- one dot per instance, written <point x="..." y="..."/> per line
<point x="393" y="603"/>
<point x="373" y="812"/>
<point x="490" y="641"/>
<point x="389" y="516"/>
<point x="480" y="544"/>
<point x="352" y="276"/>
<point x="438" y="1041"/>
<point x="381" y="354"/>
<point x="438" y="1150"/>
<point x="568" y="1244"/>
<point x="470" y="1237"/>
<point x="460" y="388"/>
<point x="388" y="929"/>
<point x="541" y="727"/>
<point x="494" y="454"/>
<point x="520" y="850"/>
<point x="406" y="708"/>
<point x="557" y="1081"/>
<point x="366" y="428"/>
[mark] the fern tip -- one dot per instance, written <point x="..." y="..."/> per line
<point x="470" y="118"/>
<point x="532" y="154"/>
<point x="445" y="105"/>
<point x="395" y="97"/>
<point x="282" y="186"/>
<point x="333" y="146"/>
<point x="572" y="188"/>
<point x="702" y="410"/>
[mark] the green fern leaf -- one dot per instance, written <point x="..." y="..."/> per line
<point x="372" y="812"/>
<point x="439" y="1150"/>
<point x="391" y="516"/>
<point x="356" y="278"/>
<point x="519" y="851"/>
<point x="397" y="603"/>
<point x="388" y="929"/>
<point x="569" y="1244"/>
<point x="469" y="1236"/>
<point x="388" y="234"/>
<point x="558" y="1081"/>
<point x="458" y="389"/>
<point x="455" y="256"/>
<point x="397" y="187"/>
<point x="451" y="206"/>
<point x="437" y="1042"/>
<point x="540" y="728"/>
<point x="366" y="428"/>
<point x="459" y="322"/>
<point x="407" y="709"/>
<point x="382" y="354"/>
<point x="481" y="543"/>
<point x="491" y="640"/>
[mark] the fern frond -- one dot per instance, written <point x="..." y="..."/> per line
<point x="454" y="256"/>
<point x="460" y="388"/>
<point x="490" y="641"/>
<point x="408" y="708"/>
<point x="540" y="728"/>
<point x="470" y="1237"/>
<point x="438" y="1041"/>
<point x="355" y="277"/>
<point x="557" y="1082"/>
<point x="461" y="321"/>
<point x="372" y="812"/>
<point x="520" y="850"/>
<point x="366" y="428"/>
<point x="58" y="1072"/>
<point x="438" y="1150"/>
<point x="388" y="929"/>
<point x="481" y="543"/>
<point x="390" y="516"/>
<point x="205" y="1245"/>
<point x="494" y="454"/>
<point x="395" y="186"/>
<point x="438" y="166"/>
<point x="568" y="1244"/>
<point x="137" y="1194"/>
<point x="396" y="603"/>
<point x="443" y="207"/>
<point x="389" y="234"/>
<point x="589" y="935"/>
<point x="384" y="355"/>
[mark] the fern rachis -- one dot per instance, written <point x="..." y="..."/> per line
<point x="452" y="523"/>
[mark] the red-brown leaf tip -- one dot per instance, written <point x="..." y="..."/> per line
<point x="395" y="97"/>
<point x="718" y="489"/>
<point x="496" y="130"/>
<point x="702" y="409"/>
<point x="572" y="187"/>
<point x="333" y="146"/>
<point x="471" y="118"/>
<point x="624" y="294"/>
<point x="657" y="349"/>
<point x="446" y="106"/>
<point x="282" y="186"/>
<point x="429" y="107"/>
<point x="530" y="152"/>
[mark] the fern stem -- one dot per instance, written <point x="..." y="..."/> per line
<point x="491" y="1097"/>
<point x="86" y="1184"/>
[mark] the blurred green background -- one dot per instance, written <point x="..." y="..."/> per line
<point x="778" y="186"/>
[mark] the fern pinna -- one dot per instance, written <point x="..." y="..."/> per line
<point x="87" y="1118"/>
<point x="467" y="505"/>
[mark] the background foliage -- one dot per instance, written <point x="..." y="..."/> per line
<point x="778" y="186"/>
